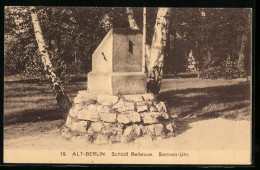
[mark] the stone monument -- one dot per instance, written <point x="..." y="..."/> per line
<point x="117" y="64"/>
<point x="116" y="107"/>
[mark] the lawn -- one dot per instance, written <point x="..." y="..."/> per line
<point x="188" y="99"/>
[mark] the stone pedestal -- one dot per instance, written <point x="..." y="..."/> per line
<point x="117" y="118"/>
<point x="117" y="83"/>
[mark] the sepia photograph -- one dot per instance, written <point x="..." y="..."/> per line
<point x="127" y="85"/>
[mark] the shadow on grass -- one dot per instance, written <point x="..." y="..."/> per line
<point x="45" y="81"/>
<point x="33" y="116"/>
<point x="186" y="75"/>
<point x="196" y="104"/>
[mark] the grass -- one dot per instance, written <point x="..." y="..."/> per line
<point x="30" y="102"/>
<point x="189" y="99"/>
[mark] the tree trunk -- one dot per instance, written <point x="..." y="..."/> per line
<point x="241" y="55"/>
<point x="198" y="58"/>
<point x="155" y="60"/>
<point x="62" y="99"/>
<point x="131" y="19"/>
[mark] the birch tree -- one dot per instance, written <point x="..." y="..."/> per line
<point x="131" y="19"/>
<point x="61" y="97"/>
<point x="156" y="52"/>
<point x="241" y="55"/>
<point x="155" y="59"/>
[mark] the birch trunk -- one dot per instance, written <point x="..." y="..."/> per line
<point x="155" y="60"/>
<point x="62" y="99"/>
<point x="131" y="19"/>
<point x="241" y="55"/>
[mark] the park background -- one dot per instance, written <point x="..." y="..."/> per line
<point x="207" y="68"/>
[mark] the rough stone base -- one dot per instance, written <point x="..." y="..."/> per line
<point x="122" y="118"/>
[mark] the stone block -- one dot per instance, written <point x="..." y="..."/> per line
<point x="149" y="129"/>
<point x="80" y="126"/>
<point x="158" y="129"/>
<point x="119" y="104"/>
<point x="143" y="129"/>
<point x="169" y="126"/>
<point x="134" y="98"/>
<point x="122" y="118"/>
<point x="127" y="131"/>
<point x="161" y="107"/>
<point x="68" y="121"/>
<point x="131" y="133"/>
<point x="165" y="115"/>
<point x="66" y="133"/>
<point x="148" y="96"/>
<point x="149" y="119"/>
<point x="124" y="106"/>
<point x="141" y="108"/>
<point x="116" y="129"/>
<point x="136" y="130"/>
<point x="102" y="109"/>
<point x="90" y="113"/>
<point x="96" y="126"/>
<point x="153" y="109"/>
<point x="117" y="82"/>
<point x="107" y="99"/>
<point x="134" y="117"/>
<point x="84" y="96"/>
<point x="155" y="129"/>
<point x="90" y="130"/>
<point x="108" y="117"/>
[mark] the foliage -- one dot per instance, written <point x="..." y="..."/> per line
<point x="213" y="34"/>
<point x="73" y="33"/>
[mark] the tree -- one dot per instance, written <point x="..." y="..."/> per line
<point x="156" y="52"/>
<point x="155" y="61"/>
<point x="61" y="97"/>
<point x="132" y="22"/>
